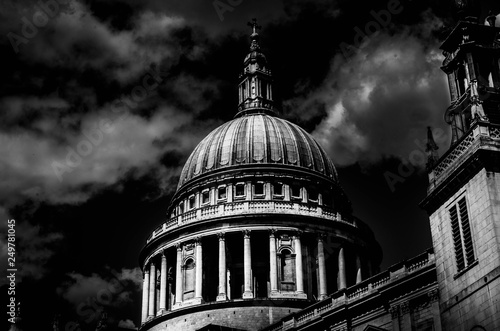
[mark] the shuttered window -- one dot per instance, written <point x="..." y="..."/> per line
<point x="462" y="238"/>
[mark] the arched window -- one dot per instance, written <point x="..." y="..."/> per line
<point x="287" y="270"/>
<point x="189" y="279"/>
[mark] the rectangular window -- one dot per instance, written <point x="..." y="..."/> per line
<point x="205" y="197"/>
<point x="278" y="189"/>
<point x="327" y="199"/>
<point x="240" y="190"/>
<point x="462" y="238"/>
<point x="295" y="191"/>
<point x="191" y="202"/>
<point x="312" y="194"/>
<point x="258" y="189"/>
<point x="221" y="192"/>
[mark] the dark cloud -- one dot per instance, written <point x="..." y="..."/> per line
<point x="81" y="207"/>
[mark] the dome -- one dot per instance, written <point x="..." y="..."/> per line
<point x="258" y="139"/>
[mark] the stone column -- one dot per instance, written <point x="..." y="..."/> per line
<point x="222" y="267"/>
<point x="145" y="295"/>
<point x="178" y="276"/>
<point x="342" y="279"/>
<point x="358" y="270"/>
<point x="199" y="269"/>
<point x="247" y="265"/>
<point x="273" y="269"/>
<point x="321" y="269"/>
<point x="163" y="284"/>
<point x="394" y="310"/>
<point x="298" y="264"/>
<point x="152" y="290"/>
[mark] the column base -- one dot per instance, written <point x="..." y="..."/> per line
<point x="288" y="295"/>
<point x="322" y="297"/>
<point x="189" y="302"/>
<point x="221" y="297"/>
<point x="247" y="295"/>
<point x="161" y="312"/>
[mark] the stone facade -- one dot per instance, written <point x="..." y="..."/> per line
<point x="471" y="297"/>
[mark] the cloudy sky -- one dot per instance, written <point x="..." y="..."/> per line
<point x="101" y="103"/>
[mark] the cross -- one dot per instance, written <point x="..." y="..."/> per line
<point x="254" y="25"/>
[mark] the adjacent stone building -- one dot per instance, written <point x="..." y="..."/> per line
<point x="260" y="235"/>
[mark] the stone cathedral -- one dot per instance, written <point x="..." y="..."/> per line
<point x="260" y="235"/>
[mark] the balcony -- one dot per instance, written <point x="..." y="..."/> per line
<point x="481" y="135"/>
<point x="352" y="294"/>
<point x="249" y="208"/>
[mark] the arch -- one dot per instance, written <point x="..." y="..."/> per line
<point x="287" y="269"/>
<point x="189" y="278"/>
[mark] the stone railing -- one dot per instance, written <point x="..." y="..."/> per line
<point x="249" y="207"/>
<point x="353" y="293"/>
<point x="481" y="134"/>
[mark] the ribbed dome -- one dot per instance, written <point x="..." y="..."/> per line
<point x="257" y="139"/>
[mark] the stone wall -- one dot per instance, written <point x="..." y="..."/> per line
<point x="245" y="318"/>
<point x="470" y="297"/>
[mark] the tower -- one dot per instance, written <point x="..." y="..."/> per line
<point x="463" y="197"/>
<point x="259" y="226"/>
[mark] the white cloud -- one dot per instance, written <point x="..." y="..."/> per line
<point x="33" y="247"/>
<point x="380" y="101"/>
<point x="127" y="324"/>
<point x="114" y="289"/>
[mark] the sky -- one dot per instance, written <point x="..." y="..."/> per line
<point x="101" y="103"/>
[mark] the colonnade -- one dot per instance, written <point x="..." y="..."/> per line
<point x="153" y="306"/>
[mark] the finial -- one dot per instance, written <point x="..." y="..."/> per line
<point x="254" y="36"/>
<point x="431" y="149"/>
<point x="55" y="322"/>
<point x="491" y="19"/>
<point x="103" y="322"/>
<point x="254" y="26"/>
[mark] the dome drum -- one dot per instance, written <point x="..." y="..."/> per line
<point x="259" y="186"/>
<point x="301" y="254"/>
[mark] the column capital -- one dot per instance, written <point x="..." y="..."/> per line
<point x="433" y="295"/>
<point x="163" y="254"/>
<point x="321" y="236"/>
<point x="178" y="246"/>
<point x="394" y="310"/>
<point x="272" y="232"/>
<point x="246" y="233"/>
<point x="221" y="236"/>
<point x="197" y="241"/>
<point x="298" y="234"/>
<point x="405" y="307"/>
